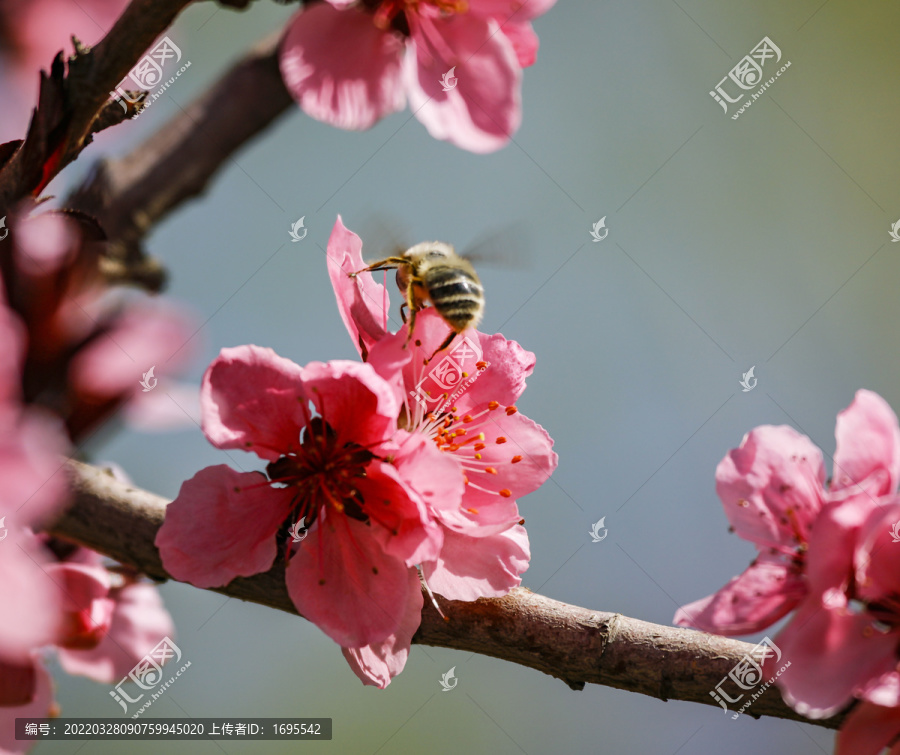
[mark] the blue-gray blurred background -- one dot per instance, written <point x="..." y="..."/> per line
<point x="761" y="241"/>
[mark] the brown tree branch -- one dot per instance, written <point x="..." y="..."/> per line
<point x="128" y="195"/>
<point x="574" y="644"/>
<point x="72" y="98"/>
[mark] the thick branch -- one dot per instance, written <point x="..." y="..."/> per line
<point x="574" y="644"/>
<point x="128" y="195"/>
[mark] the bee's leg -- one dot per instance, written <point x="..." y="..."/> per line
<point x="402" y="313"/>
<point x="412" y="324"/>
<point x="414" y="307"/>
<point x="447" y="341"/>
<point x="385" y="264"/>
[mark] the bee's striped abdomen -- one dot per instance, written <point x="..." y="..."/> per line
<point x="457" y="295"/>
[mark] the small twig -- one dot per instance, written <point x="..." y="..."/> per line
<point x="73" y="96"/>
<point x="574" y="644"/>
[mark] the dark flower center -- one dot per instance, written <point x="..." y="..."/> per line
<point x="323" y="473"/>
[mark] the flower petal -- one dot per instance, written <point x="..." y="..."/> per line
<point x="833" y="654"/>
<point x="772" y="486"/>
<point x="469" y="568"/>
<point x="435" y="476"/>
<point x="378" y="663"/>
<point x="35" y="488"/>
<point x="145" y="336"/>
<point x="362" y="302"/>
<point x="749" y="603"/>
<point x="398" y="515"/>
<point x="868" y="446"/>
<point x="222" y="525"/>
<point x="829" y="561"/>
<point x="524" y="41"/>
<point x="340" y="68"/>
<point x="511" y="10"/>
<point x="506" y="438"/>
<point x="868" y="730"/>
<point x="39" y="706"/>
<point x="484" y="108"/>
<point x="343" y="582"/>
<point x="254" y="400"/>
<point x="32" y="603"/>
<point x="351" y="397"/>
<point x="139" y="622"/>
<point x="506" y="365"/>
<point x="87" y="608"/>
<point x="876" y="556"/>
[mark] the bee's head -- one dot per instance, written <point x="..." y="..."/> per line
<point x="429" y="251"/>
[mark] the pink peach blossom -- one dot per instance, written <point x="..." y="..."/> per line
<point x="459" y="64"/>
<point x="772" y="488"/>
<point x="501" y="454"/>
<point x="824" y="552"/>
<point x="339" y="469"/>
<point x="846" y="632"/>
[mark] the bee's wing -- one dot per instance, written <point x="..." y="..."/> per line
<point x="383" y="236"/>
<point x="508" y="248"/>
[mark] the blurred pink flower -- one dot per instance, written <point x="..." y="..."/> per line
<point x="32" y="448"/>
<point x="33" y="31"/>
<point x="458" y="61"/>
<point x="340" y="469"/>
<point x="501" y="454"/>
<point x="105" y="624"/>
<point x="26" y="690"/>
<point x="89" y="345"/>
<point x="772" y="488"/>
<point x="111" y="618"/>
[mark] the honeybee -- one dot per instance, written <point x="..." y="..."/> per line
<point x="433" y="271"/>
